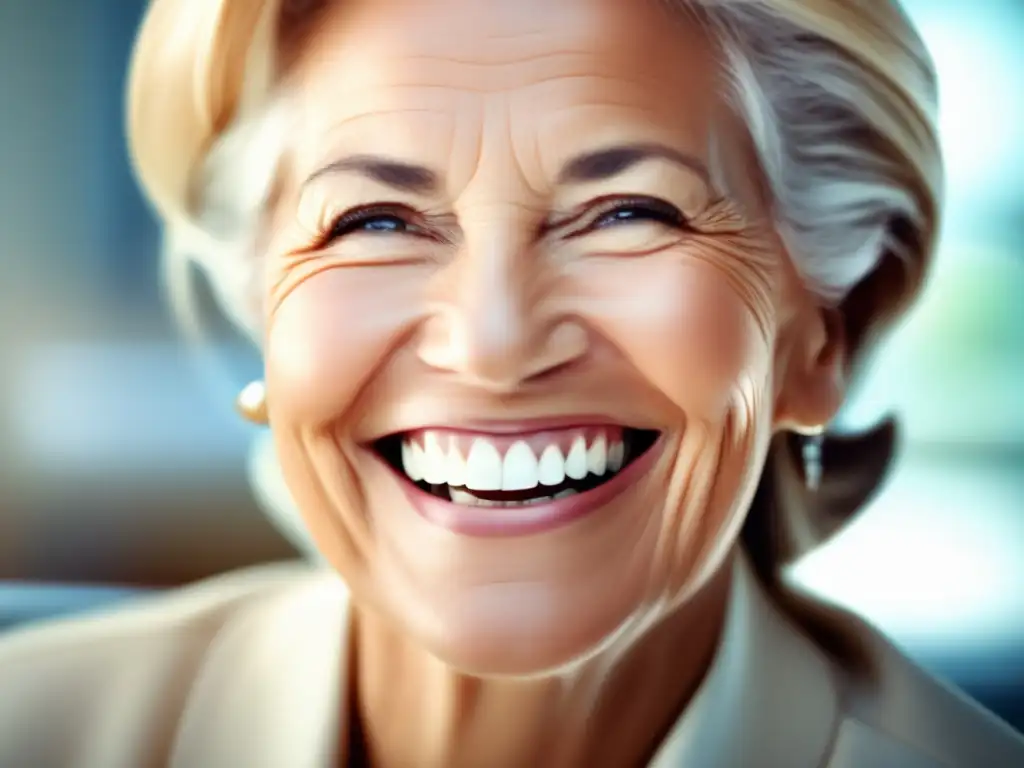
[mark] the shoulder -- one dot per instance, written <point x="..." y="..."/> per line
<point x="893" y="712"/>
<point x="109" y="688"/>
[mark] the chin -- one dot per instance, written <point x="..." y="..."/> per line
<point x="521" y="630"/>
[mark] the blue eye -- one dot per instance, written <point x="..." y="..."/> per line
<point x="635" y="210"/>
<point x="371" y="220"/>
<point x="384" y="223"/>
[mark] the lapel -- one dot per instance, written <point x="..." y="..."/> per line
<point x="770" y="698"/>
<point x="268" y="693"/>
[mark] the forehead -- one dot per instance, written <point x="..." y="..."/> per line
<point x="548" y="75"/>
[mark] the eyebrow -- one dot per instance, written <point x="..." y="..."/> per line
<point x="405" y="177"/>
<point x="604" y="164"/>
<point x="589" y="167"/>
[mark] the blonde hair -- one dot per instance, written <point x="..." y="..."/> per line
<point x="839" y="97"/>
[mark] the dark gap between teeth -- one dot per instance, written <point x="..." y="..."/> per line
<point x="538" y="492"/>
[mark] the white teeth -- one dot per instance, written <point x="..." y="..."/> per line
<point x="412" y="461"/>
<point x="407" y="466"/>
<point x="434" y="466"/>
<point x="551" y="470"/>
<point x="455" y="466"/>
<point x="616" y="454"/>
<point x="597" y="456"/>
<point x="520" y="468"/>
<point x="576" y="461"/>
<point x="462" y="497"/>
<point x="468" y="499"/>
<point x="483" y="467"/>
<point x="440" y="462"/>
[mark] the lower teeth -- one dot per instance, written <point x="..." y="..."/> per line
<point x="468" y="499"/>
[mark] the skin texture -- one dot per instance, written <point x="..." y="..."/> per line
<point x="502" y="291"/>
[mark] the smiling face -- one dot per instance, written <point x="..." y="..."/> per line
<point x="528" y="334"/>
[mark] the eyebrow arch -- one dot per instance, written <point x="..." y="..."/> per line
<point x="604" y="164"/>
<point x="399" y="175"/>
<point x="589" y="167"/>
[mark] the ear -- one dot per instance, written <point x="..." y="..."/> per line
<point x="810" y="370"/>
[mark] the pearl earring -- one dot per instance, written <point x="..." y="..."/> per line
<point x="812" y="455"/>
<point x="251" y="403"/>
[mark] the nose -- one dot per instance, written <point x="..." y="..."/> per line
<point x="494" y="321"/>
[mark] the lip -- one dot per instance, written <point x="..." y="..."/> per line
<point x="506" y="427"/>
<point x="488" y="522"/>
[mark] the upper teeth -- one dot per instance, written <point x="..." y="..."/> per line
<point x="439" y="461"/>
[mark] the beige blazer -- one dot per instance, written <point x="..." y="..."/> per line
<point x="246" y="671"/>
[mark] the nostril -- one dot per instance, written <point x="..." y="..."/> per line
<point x="550" y="373"/>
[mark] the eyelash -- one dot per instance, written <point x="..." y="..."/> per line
<point x="651" y="208"/>
<point x="350" y="221"/>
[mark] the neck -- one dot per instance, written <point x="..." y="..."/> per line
<point x="613" y="710"/>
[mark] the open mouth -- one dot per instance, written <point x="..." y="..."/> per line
<point x="473" y="469"/>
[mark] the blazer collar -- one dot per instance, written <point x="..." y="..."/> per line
<point x="770" y="698"/>
<point x="269" y="690"/>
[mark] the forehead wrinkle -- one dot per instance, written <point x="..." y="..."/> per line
<point x="323" y="144"/>
<point x="523" y="139"/>
<point x="573" y="67"/>
<point x="498" y="178"/>
<point x="422" y="57"/>
<point x="542" y="56"/>
<point x="466" y="144"/>
<point x="424" y="72"/>
<point x="456" y="28"/>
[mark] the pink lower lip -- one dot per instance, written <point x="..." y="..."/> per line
<point x="524" y="520"/>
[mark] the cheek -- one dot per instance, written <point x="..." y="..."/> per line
<point x="326" y="338"/>
<point x="688" y="330"/>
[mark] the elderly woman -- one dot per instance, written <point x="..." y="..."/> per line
<point x="555" y="298"/>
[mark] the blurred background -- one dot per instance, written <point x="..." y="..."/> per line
<point x="123" y="466"/>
